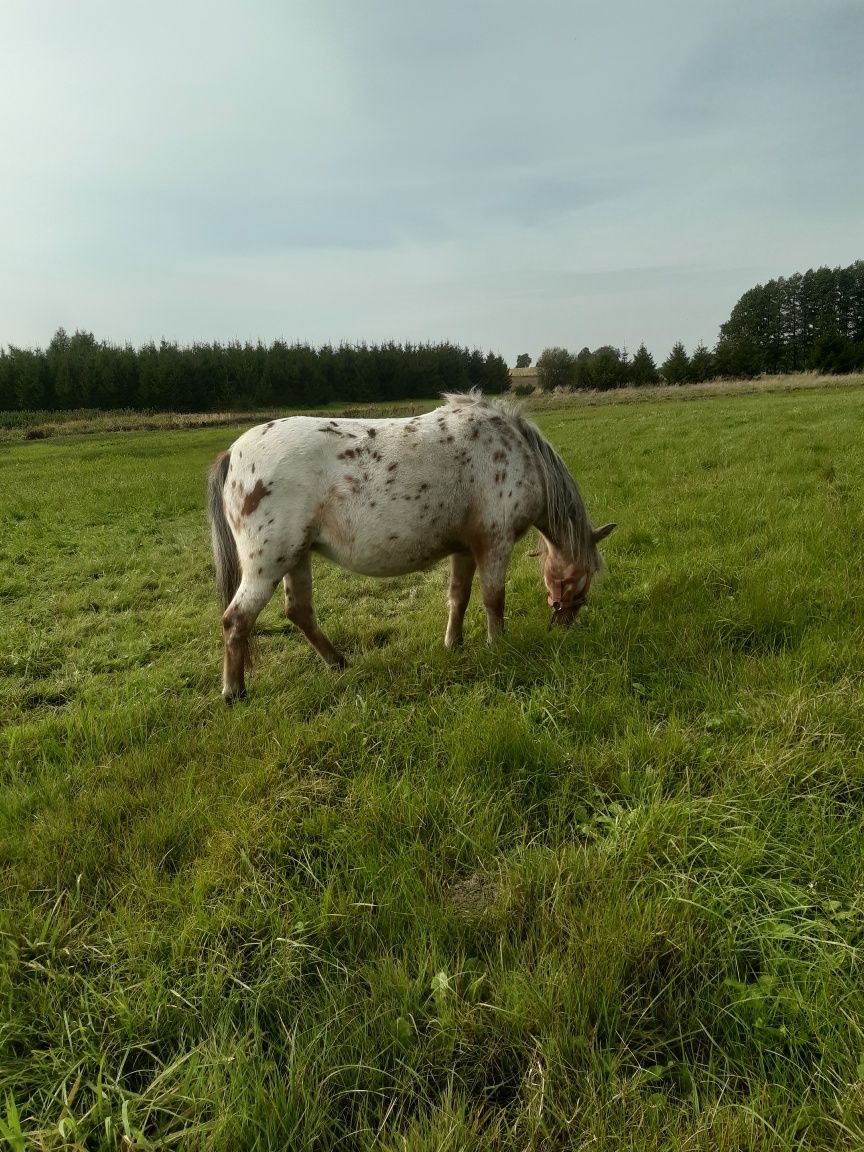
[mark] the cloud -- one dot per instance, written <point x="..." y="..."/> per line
<point x="502" y="174"/>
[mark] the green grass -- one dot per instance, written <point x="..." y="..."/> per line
<point x="601" y="889"/>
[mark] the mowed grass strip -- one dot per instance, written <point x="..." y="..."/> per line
<point x="597" y="889"/>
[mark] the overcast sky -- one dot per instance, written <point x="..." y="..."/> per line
<point x="504" y="175"/>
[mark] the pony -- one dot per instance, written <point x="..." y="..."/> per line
<point x="387" y="497"/>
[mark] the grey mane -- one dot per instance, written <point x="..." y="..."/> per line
<point x="569" y="526"/>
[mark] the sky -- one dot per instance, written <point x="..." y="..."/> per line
<point x="508" y="176"/>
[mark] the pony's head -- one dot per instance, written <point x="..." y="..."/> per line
<point x="568" y="581"/>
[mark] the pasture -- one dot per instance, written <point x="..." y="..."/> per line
<point x="594" y="888"/>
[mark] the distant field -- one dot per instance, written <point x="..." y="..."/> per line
<point x="15" y="426"/>
<point x="87" y="421"/>
<point x="600" y="890"/>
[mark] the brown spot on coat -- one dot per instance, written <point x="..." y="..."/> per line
<point x="392" y="467"/>
<point x="254" y="498"/>
<point x="371" y="432"/>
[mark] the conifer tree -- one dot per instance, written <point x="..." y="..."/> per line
<point x="701" y="364"/>
<point x="643" y="370"/>
<point x="676" y="367"/>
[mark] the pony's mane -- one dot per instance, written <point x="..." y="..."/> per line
<point x="569" y="525"/>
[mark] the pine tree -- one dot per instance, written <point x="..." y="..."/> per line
<point x="701" y="365"/>
<point x="643" y="370"/>
<point x="676" y="367"/>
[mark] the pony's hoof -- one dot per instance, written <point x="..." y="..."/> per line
<point x="231" y="697"/>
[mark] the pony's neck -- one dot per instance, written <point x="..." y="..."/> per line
<point x="560" y="524"/>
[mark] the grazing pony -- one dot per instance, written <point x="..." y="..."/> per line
<point x="386" y="497"/>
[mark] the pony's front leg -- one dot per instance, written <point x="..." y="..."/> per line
<point x="492" y="566"/>
<point x="462" y="568"/>
<point x="298" y="608"/>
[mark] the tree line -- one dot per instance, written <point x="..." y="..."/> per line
<point x="80" y="372"/>
<point x="609" y="367"/>
<point x="813" y="320"/>
<point x="809" y="321"/>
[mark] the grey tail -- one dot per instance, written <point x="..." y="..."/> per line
<point x="226" y="559"/>
<point x="225" y="556"/>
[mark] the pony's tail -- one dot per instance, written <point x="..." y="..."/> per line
<point x="225" y="556"/>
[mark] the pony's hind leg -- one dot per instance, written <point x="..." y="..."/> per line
<point x="462" y="570"/>
<point x="299" y="610"/>
<point x="237" y="624"/>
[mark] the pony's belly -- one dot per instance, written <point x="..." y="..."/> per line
<point x="385" y="552"/>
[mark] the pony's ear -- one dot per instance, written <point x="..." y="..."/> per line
<point x="601" y="533"/>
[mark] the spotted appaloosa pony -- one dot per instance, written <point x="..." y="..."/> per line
<point x="386" y="497"/>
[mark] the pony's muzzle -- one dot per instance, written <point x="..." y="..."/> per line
<point x="564" y="614"/>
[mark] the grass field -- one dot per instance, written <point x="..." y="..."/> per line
<point x="601" y="889"/>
